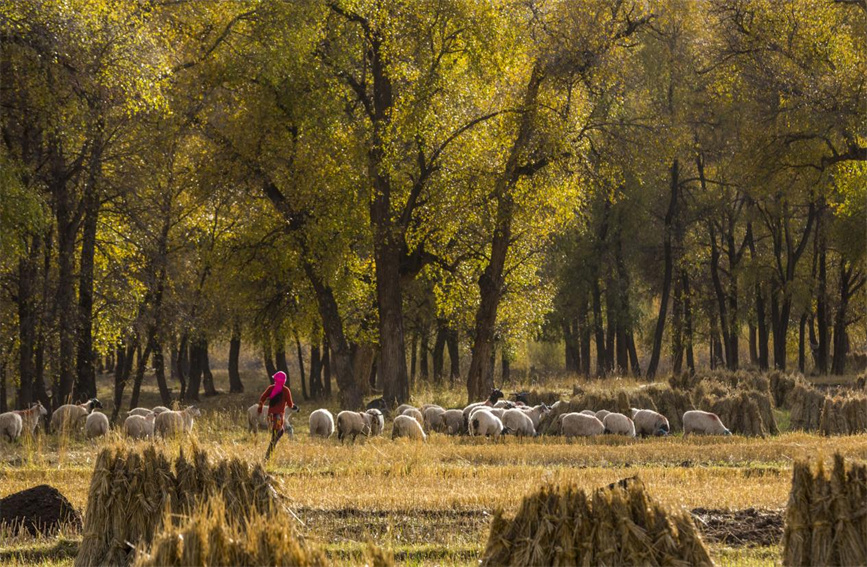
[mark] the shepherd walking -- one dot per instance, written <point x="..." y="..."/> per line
<point x="279" y="398"/>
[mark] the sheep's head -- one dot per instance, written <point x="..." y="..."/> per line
<point x="194" y="411"/>
<point x="42" y="410"/>
<point x="377" y="422"/>
<point x="495" y="395"/>
<point x="523" y="397"/>
<point x="94" y="404"/>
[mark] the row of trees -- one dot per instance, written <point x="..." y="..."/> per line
<point x="386" y="181"/>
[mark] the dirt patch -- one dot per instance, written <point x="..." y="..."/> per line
<point x="41" y="509"/>
<point x="748" y="527"/>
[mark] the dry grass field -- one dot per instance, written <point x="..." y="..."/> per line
<point x="431" y="503"/>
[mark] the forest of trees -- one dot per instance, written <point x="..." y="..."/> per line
<point x="381" y="185"/>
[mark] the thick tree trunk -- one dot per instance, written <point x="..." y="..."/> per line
<point x="122" y="370"/>
<point x="235" y="384"/>
<point x="507" y="372"/>
<point x="160" y="369"/>
<point x="823" y="319"/>
<point x="754" y="346"/>
<point x="850" y="283"/>
<point x="720" y="295"/>
<point x="584" y="338"/>
<point x="68" y="308"/>
<point x="688" y="327"/>
<point x="141" y="367"/>
<point x="668" y="261"/>
<point x="182" y="365"/>
<point x="677" y="328"/>
<point x="571" y="348"/>
<point x="802" y="354"/>
<point x="611" y="330"/>
<point x="413" y="360"/>
<point x="280" y="356"/>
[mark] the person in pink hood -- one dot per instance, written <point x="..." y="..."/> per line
<point x="279" y="398"/>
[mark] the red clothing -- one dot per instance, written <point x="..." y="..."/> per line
<point x="276" y="406"/>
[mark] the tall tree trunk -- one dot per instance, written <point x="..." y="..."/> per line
<point x="761" y="316"/>
<point x="280" y="356"/>
<point x="207" y="375"/>
<point x="570" y="346"/>
<point x="439" y="352"/>
<point x="268" y="355"/>
<point x="182" y="365"/>
<point x="302" y="376"/>
<point x="27" y="323"/>
<point x="122" y="370"/>
<point x="326" y="366"/>
<point x="669" y="266"/>
<point x="140" y="368"/>
<point x="754" y="346"/>
<point x="424" y="342"/>
<point x="850" y="283"/>
<point x="611" y="330"/>
<point x="454" y="357"/>
<point x="584" y="337"/>
<point x="506" y="374"/>
<point x="823" y="319"/>
<point x="315" y="369"/>
<point x="160" y="369"/>
<point x="687" y="314"/>
<point x="413" y="360"/>
<point x="802" y="355"/>
<point x="235" y="384"/>
<point x="85" y="386"/>
<point x="720" y="294"/>
<point x="67" y="307"/>
<point x="480" y="375"/>
<point x="677" y="327"/>
<point x="601" y="350"/>
<point x="196" y="368"/>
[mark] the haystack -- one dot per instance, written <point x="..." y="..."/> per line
<point x="672" y="404"/>
<point x="132" y="491"/>
<point x="616" y="525"/>
<point x="781" y="386"/>
<point x="844" y="415"/>
<point x="825" y="522"/>
<point x="213" y="535"/>
<point x="806" y="403"/>
<point x="744" y="413"/>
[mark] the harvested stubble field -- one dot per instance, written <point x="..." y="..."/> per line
<point x="432" y="503"/>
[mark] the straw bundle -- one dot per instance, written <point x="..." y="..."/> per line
<point x="616" y="525"/>
<point x="213" y="535"/>
<point x="744" y="413"/>
<point x="132" y="491"/>
<point x="825" y="522"/>
<point x="781" y="387"/>
<point x="672" y="404"/>
<point x="807" y="404"/>
<point x="843" y="415"/>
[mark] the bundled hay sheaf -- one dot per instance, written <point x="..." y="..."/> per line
<point x="616" y="525"/>
<point x="806" y="404"/>
<point x="671" y="403"/>
<point x="844" y="415"/>
<point x="745" y="413"/>
<point x="131" y="492"/>
<point x="212" y="535"/>
<point x="782" y="386"/>
<point x="825" y="520"/>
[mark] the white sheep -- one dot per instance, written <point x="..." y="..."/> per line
<point x="433" y="418"/>
<point x="518" y="422"/>
<point x="453" y="421"/>
<point x="160" y="409"/>
<point x="589" y="412"/>
<point x="321" y="423"/>
<point x="11" y="425"/>
<point x="96" y="425"/>
<point x="600" y="415"/>
<point x="402" y="408"/>
<point x="504" y="404"/>
<point x="144" y="412"/>
<point x="353" y="423"/>
<point x="579" y="425"/>
<point x="257" y="421"/>
<point x="171" y="423"/>
<point x="413" y="413"/>
<point x="650" y="423"/>
<point x="632" y="412"/>
<point x="30" y="417"/>
<point x="496" y="411"/>
<point x="535" y="413"/>
<point x="703" y="422"/>
<point x="139" y="427"/>
<point x="484" y="423"/>
<point x="619" y="424"/>
<point x="72" y="416"/>
<point x="407" y="426"/>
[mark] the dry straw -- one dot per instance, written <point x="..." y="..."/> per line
<point x="826" y="522"/>
<point x="844" y="415"/>
<point x="616" y="525"/>
<point x="806" y="404"/>
<point x="747" y="412"/>
<point x="132" y="492"/>
<point x="213" y="535"/>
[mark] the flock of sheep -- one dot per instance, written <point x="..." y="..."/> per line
<point x="141" y="423"/>
<point x="495" y="417"/>
<point x="492" y="418"/>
